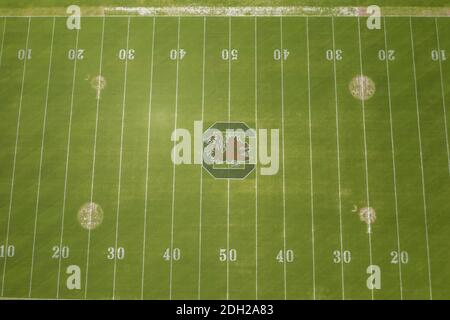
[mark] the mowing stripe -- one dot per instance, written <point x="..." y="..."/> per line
<point x="228" y="180"/>
<point x="394" y="171"/>
<point x="41" y="157"/>
<point x="19" y="114"/>
<point x="121" y="157"/>
<point x="147" y="158"/>
<point x="201" y="168"/>
<point x="256" y="162"/>
<point x="94" y="157"/>
<point x="369" y="233"/>
<point x="338" y="148"/>
<point x="69" y="136"/>
<point x="173" y="164"/>
<point x="442" y="92"/>
<point x="311" y="164"/>
<point x="3" y="41"/>
<point x="282" y="151"/>
<point x="419" y="131"/>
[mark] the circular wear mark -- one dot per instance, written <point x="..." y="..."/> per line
<point x="367" y="215"/>
<point x="98" y="83"/>
<point x="90" y="215"/>
<point x="362" y="87"/>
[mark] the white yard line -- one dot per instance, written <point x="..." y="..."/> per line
<point x="3" y="41"/>
<point x="147" y="158"/>
<point x="173" y="165"/>
<point x="11" y="193"/>
<point x="228" y="180"/>
<point x="119" y="185"/>
<point x="201" y="168"/>
<point x="394" y="171"/>
<point x="94" y="157"/>
<point x="66" y="174"/>
<point x="256" y="163"/>
<point x="365" y="152"/>
<point x="338" y="148"/>
<point x="311" y="163"/>
<point x="282" y="154"/>
<point x="419" y="131"/>
<point x="442" y="92"/>
<point x="41" y="158"/>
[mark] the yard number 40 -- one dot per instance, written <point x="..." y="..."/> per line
<point x="279" y="54"/>
<point x="177" y="54"/>
<point x="174" y="254"/>
<point x="285" y="256"/>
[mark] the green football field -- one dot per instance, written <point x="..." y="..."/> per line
<point x="87" y="117"/>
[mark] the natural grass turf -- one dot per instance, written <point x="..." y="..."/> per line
<point x="296" y="219"/>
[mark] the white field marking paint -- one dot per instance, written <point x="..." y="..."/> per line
<point x="235" y="11"/>
<point x="3" y="40"/>
<point x="394" y="171"/>
<point x="256" y="164"/>
<point x="173" y="165"/>
<point x="41" y="158"/>
<point x="94" y="157"/>
<point x="147" y="158"/>
<point x="11" y="192"/>
<point x="69" y="137"/>
<point x="419" y="131"/>
<point x="338" y="148"/>
<point x="282" y="154"/>
<point x="309" y="12"/>
<point x="201" y="169"/>
<point x="365" y="151"/>
<point x="442" y="93"/>
<point x="311" y="163"/>
<point x="121" y="158"/>
<point x="228" y="181"/>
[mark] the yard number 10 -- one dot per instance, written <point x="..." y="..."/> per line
<point x="23" y="54"/>
<point x="437" y="55"/>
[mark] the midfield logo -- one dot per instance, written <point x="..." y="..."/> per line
<point x="227" y="150"/>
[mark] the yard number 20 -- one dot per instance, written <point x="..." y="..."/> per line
<point x="389" y="54"/>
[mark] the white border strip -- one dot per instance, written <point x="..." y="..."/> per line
<point x="275" y="11"/>
<point x="233" y="11"/>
